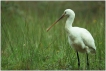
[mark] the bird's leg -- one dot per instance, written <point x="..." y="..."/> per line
<point x="87" y="61"/>
<point x="78" y="60"/>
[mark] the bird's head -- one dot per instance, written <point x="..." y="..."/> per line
<point x="67" y="12"/>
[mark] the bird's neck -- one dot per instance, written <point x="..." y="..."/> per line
<point x="69" y="22"/>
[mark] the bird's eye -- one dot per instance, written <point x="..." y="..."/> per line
<point x="65" y="12"/>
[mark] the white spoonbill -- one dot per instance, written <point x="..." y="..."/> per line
<point x="79" y="38"/>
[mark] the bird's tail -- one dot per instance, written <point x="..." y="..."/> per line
<point x="93" y="51"/>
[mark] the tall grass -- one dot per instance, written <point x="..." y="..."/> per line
<point x="25" y="44"/>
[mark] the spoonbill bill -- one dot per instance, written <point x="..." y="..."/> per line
<point x="79" y="39"/>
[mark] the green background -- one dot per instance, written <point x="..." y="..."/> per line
<point x="25" y="44"/>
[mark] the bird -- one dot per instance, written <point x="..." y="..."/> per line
<point x="80" y="39"/>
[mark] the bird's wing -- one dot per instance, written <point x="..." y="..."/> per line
<point x="87" y="38"/>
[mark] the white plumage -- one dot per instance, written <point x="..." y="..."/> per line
<point x="79" y="38"/>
